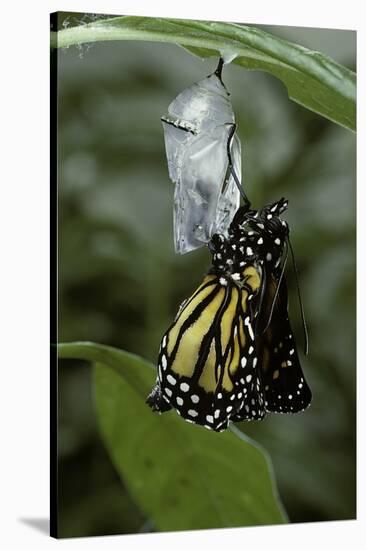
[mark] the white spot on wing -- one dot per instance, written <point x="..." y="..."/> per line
<point x="171" y="380"/>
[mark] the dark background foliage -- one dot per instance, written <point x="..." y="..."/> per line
<point x="120" y="282"/>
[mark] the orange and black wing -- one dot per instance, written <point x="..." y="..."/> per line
<point x="207" y="363"/>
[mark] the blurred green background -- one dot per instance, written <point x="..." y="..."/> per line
<point x="120" y="282"/>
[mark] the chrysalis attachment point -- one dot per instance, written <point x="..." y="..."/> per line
<point x="228" y="56"/>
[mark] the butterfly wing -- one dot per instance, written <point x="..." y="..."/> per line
<point x="239" y="393"/>
<point x="249" y="399"/>
<point x="206" y="362"/>
<point x="285" y="387"/>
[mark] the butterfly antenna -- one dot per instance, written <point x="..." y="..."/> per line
<point x="231" y="167"/>
<point x="276" y="293"/>
<point x="306" y="338"/>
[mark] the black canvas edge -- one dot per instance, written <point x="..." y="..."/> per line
<point x="53" y="287"/>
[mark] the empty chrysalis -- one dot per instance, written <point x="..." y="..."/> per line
<point x="200" y="140"/>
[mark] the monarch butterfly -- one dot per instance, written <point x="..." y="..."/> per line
<point x="230" y="354"/>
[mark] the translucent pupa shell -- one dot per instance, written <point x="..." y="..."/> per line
<point x="197" y="130"/>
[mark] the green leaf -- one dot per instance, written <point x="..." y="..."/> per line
<point x="182" y="475"/>
<point x="311" y="78"/>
